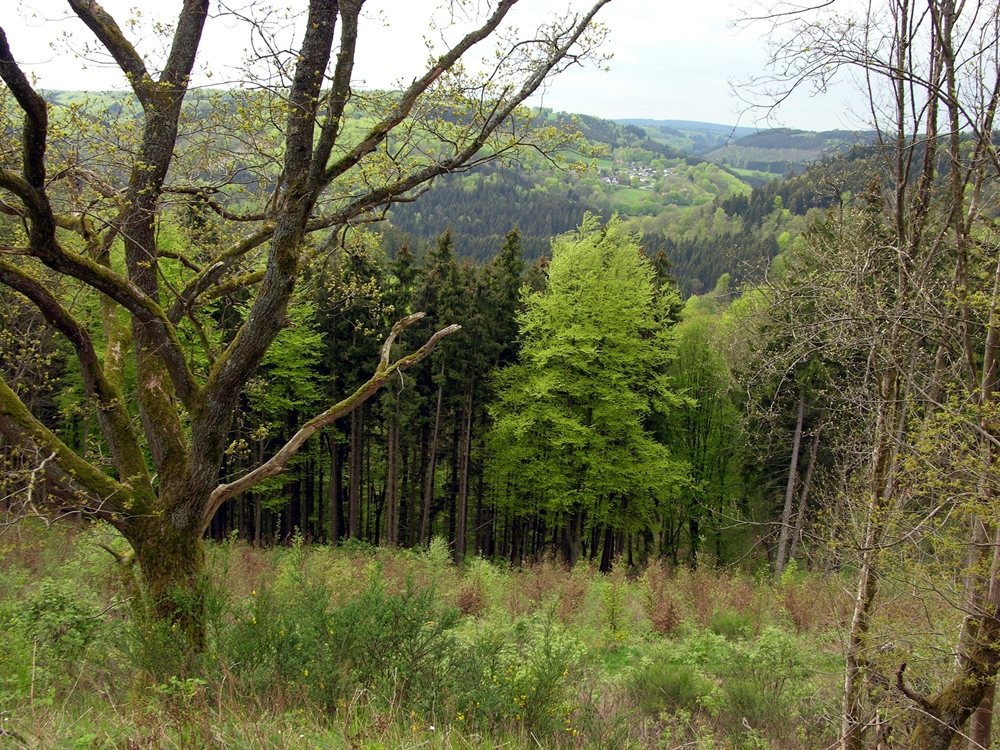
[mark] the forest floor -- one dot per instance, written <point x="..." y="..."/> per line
<point x="313" y="647"/>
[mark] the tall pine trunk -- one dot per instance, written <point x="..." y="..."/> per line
<point x="431" y="463"/>
<point x="334" y="487"/>
<point x="258" y="498"/>
<point x="463" y="478"/>
<point x="392" y="479"/>
<point x="354" y="488"/>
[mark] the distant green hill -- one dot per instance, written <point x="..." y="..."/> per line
<point x="780" y="151"/>
<point x="689" y="135"/>
<point x="737" y="131"/>
<point x="638" y="175"/>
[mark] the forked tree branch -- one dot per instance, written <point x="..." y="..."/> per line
<point x="409" y="97"/>
<point x="911" y="694"/>
<point x="341" y="90"/>
<point x="276" y="464"/>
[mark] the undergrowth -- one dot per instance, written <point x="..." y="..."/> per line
<point x="312" y="647"/>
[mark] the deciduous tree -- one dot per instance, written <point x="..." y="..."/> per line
<point x="570" y="442"/>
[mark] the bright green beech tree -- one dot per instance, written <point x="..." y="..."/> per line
<point x="570" y="442"/>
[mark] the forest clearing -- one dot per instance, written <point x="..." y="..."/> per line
<point x="361" y="647"/>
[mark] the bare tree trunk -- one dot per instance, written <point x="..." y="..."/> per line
<point x="981" y="724"/>
<point x="804" y="495"/>
<point x="465" y="448"/>
<point x="257" y="495"/>
<point x="786" y="516"/>
<point x="413" y="514"/>
<point x="320" y="495"/>
<point x="880" y="488"/>
<point x="573" y="536"/>
<point x="392" y="480"/>
<point x="334" y="488"/>
<point x="607" y="555"/>
<point x="354" y="489"/>
<point x="852" y="728"/>
<point x="240" y="530"/>
<point x="431" y="462"/>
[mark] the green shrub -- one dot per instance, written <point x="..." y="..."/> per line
<point x="15" y="657"/>
<point x="658" y="686"/>
<point x="47" y="635"/>
<point x="729" y="624"/>
<point x="398" y="644"/>
<point x="613" y="611"/>
<point x="61" y="621"/>
<point x="763" y="682"/>
<point x="518" y="676"/>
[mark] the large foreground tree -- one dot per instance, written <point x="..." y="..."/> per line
<point x="149" y="211"/>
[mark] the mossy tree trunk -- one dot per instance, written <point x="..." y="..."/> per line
<point x="171" y="560"/>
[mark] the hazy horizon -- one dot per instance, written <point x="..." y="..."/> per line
<point x="671" y="61"/>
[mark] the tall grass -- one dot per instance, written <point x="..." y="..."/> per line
<point x="312" y="647"/>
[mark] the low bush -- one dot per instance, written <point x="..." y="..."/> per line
<point x="659" y="687"/>
<point x="731" y="625"/>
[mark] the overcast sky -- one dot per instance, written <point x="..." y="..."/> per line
<point x="673" y="59"/>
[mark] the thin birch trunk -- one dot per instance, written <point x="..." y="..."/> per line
<point x="786" y="516"/>
<point x="804" y="495"/>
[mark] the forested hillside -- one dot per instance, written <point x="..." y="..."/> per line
<point x="780" y="152"/>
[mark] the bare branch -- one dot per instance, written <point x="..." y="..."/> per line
<point x="203" y="195"/>
<point x="210" y="275"/>
<point x="912" y="695"/>
<point x="383" y="372"/>
<point x="116" y="422"/>
<point x="409" y="97"/>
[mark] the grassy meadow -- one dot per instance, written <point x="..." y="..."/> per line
<point x="313" y="647"/>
